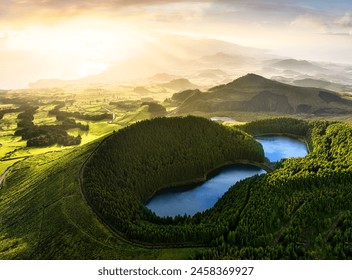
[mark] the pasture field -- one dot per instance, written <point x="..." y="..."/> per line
<point x="88" y="101"/>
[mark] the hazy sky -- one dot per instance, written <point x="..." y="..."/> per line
<point x="70" y="39"/>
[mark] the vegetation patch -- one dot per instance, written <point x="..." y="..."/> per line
<point x="46" y="135"/>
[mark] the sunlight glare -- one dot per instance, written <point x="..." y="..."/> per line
<point x="85" y="49"/>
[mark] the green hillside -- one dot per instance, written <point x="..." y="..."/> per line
<point x="308" y="82"/>
<point x="253" y="93"/>
<point x="179" y="84"/>
<point x="43" y="215"/>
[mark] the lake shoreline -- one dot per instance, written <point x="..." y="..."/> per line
<point x="293" y="136"/>
<point x="181" y="187"/>
<point x="194" y="183"/>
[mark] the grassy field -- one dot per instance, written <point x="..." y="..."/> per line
<point x="89" y="101"/>
<point x="43" y="214"/>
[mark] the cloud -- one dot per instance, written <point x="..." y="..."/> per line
<point x="344" y="34"/>
<point x="346" y="20"/>
<point x="46" y="11"/>
<point x="310" y="23"/>
<point x="69" y="5"/>
<point x="3" y="35"/>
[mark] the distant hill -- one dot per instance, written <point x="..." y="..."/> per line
<point x="185" y="95"/>
<point x="294" y="65"/>
<point x="224" y="59"/>
<point x="188" y="56"/>
<point x="253" y="93"/>
<point x="141" y="90"/>
<point x="211" y="74"/>
<point x="322" y="84"/>
<point x="155" y="109"/>
<point x="162" y="77"/>
<point x="179" y="85"/>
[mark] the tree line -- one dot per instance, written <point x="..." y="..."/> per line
<point x="64" y="115"/>
<point x="46" y="135"/>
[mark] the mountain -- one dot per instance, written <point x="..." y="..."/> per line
<point x="254" y="93"/>
<point x="206" y="62"/>
<point x="182" y="96"/>
<point x="222" y="59"/>
<point x="302" y="66"/>
<point x="184" y="56"/>
<point x="162" y="77"/>
<point x="141" y="90"/>
<point x="212" y="74"/>
<point x="322" y="84"/>
<point x="179" y="85"/>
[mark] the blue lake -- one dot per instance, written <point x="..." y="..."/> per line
<point x="279" y="147"/>
<point x="190" y="201"/>
<point x="202" y="197"/>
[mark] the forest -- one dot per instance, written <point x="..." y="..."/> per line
<point x="277" y="126"/>
<point x="137" y="161"/>
<point x="301" y="210"/>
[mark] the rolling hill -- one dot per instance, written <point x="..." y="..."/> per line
<point x="179" y="84"/>
<point x="253" y="93"/>
<point x="309" y="82"/>
<point x="298" y="65"/>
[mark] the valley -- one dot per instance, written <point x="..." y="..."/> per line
<point x="207" y="133"/>
<point x="79" y="163"/>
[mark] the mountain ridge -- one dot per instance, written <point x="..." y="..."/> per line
<point x="254" y="93"/>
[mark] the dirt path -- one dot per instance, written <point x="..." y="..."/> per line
<point x="113" y="114"/>
<point x="2" y="177"/>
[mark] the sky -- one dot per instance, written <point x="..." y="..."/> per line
<point x="70" y="39"/>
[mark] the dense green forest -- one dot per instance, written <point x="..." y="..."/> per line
<point x="134" y="163"/>
<point x="301" y="210"/>
<point x="287" y="126"/>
